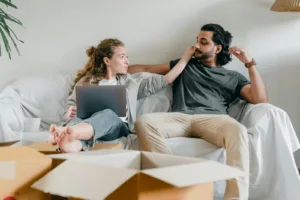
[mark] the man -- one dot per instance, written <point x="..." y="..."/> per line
<point x="201" y="96"/>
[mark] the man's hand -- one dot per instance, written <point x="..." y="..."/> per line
<point x="241" y="54"/>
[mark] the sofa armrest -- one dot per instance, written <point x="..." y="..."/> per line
<point x="237" y="108"/>
<point x="265" y="119"/>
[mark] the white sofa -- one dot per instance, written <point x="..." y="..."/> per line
<point x="272" y="137"/>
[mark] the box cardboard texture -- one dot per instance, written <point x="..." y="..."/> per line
<point x="47" y="148"/>
<point x="115" y="174"/>
<point x="3" y="144"/>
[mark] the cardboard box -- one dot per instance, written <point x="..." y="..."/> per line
<point x="47" y="148"/>
<point x="116" y="174"/>
<point x="20" y="167"/>
<point x="4" y="144"/>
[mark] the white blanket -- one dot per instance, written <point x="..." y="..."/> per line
<point x="272" y="141"/>
<point x="11" y="116"/>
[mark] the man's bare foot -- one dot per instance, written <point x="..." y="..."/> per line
<point x="67" y="141"/>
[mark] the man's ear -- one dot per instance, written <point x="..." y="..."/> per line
<point x="106" y="61"/>
<point x="218" y="49"/>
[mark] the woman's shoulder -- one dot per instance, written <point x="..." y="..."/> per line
<point x="124" y="77"/>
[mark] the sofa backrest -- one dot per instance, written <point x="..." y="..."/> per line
<point x="161" y="101"/>
<point x="45" y="97"/>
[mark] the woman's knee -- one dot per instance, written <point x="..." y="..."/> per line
<point x="107" y="117"/>
<point x="107" y="112"/>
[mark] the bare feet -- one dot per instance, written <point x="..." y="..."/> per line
<point x="65" y="138"/>
<point x="67" y="141"/>
<point x="55" y="133"/>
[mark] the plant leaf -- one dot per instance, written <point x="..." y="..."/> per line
<point x="6" y="44"/>
<point x="12" y="39"/>
<point x="9" y="29"/>
<point x="4" y="15"/>
<point x="8" y="3"/>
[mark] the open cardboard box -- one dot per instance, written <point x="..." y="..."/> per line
<point x="112" y="174"/>
<point x="47" y="148"/>
<point x="4" y="144"/>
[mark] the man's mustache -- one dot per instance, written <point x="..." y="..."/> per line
<point x="198" y="51"/>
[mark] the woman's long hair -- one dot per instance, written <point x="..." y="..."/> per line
<point x="95" y="69"/>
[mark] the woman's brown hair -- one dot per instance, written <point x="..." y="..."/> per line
<point x="95" y="68"/>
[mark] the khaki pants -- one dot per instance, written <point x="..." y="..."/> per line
<point x="221" y="130"/>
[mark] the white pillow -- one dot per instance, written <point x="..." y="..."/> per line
<point x="44" y="96"/>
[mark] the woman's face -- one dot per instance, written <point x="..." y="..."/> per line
<point x="119" y="62"/>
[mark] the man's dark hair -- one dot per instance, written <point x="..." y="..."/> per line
<point x="223" y="38"/>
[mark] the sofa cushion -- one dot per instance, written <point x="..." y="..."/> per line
<point x="44" y="96"/>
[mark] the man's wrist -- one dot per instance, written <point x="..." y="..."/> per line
<point x="251" y="63"/>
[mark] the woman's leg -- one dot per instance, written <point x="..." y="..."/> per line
<point x="69" y="138"/>
<point x="104" y="124"/>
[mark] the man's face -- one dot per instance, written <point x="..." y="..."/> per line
<point x="205" y="47"/>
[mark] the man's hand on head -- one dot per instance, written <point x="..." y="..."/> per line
<point x="241" y="54"/>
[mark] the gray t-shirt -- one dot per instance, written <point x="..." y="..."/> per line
<point x="201" y="89"/>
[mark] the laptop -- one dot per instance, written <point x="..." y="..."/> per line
<point x="91" y="99"/>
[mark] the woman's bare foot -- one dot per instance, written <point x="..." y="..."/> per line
<point x="67" y="141"/>
<point x="55" y="133"/>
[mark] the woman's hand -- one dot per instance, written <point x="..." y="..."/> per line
<point x="72" y="112"/>
<point x="189" y="52"/>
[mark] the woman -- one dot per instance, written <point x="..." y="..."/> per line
<point x="108" y="65"/>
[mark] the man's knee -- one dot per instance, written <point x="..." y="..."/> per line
<point x="236" y="131"/>
<point x="142" y="121"/>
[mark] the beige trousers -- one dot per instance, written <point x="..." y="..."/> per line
<point x="221" y="130"/>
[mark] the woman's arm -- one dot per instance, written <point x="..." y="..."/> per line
<point x="156" y="82"/>
<point x="162" y="69"/>
<point x="179" y="67"/>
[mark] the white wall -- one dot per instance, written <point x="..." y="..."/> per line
<point x="57" y="33"/>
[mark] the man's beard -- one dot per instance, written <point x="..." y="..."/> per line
<point x="203" y="56"/>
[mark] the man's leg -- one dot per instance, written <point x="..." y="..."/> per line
<point x="226" y="132"/>
<point x="153" y="128"/>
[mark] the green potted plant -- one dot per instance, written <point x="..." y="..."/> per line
<point x="7" y="34"/>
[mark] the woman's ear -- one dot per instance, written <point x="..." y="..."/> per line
<point x="106" y="61"/>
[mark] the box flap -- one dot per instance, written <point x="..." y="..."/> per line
<point x="68" y="156"/>
<point x="158" y="160"/>
<point x="8" y="170"/>
<point x="3" y="144"/>
<point x="47" y="148"/>
<point x="83" y="180"/>
<point x="129" y="160"/>
<point x="195" y="173"/>
<point x="29" y="165"/>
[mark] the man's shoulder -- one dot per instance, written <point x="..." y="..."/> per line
<point x="230" y="71"/>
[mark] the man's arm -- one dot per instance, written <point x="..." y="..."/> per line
<point x="162" y="69"/>
<point x="256" y="91"/>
